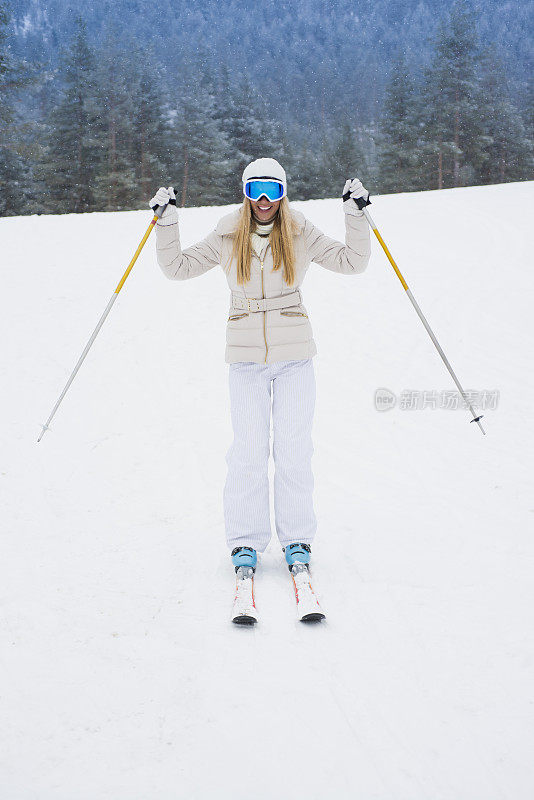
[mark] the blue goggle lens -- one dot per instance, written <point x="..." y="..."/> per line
<point x="271" y="189"/>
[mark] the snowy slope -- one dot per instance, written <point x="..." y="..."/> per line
<point x="122" y="678"/>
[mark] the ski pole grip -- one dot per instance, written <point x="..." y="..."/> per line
<point x="361" y="202"/>
<point x="158" y="210"/>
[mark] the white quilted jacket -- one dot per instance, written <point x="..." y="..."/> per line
<point x="273" y="335"/>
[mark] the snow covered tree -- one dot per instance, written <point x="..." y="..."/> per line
<point x="113" y="142"/>
<point x="222" y="114"/>
<point x="452" y="130"/>
<point x="507" y="148"/>
<point x="343" y="158"/>
<point x="72" y="155"/>
<point x="527" y="108"/>
<point x="246" y="128"/>
<point x="250" y="128"/>
<point x="15" y="190"/>
<point x="398" y="146"/>
<point x="311" y="172"/>
<point x="202" y="165"/>
<point x="145" y="129"/>
<point x="115" y="184"/>
<point x="296" y="160"/>
<point x="150" y="140"/>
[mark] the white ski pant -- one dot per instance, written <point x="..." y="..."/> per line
<point x="288" y="387"/>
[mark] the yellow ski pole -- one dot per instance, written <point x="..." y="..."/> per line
<point x="362" y="205"/>
<point x="158" y="211"/>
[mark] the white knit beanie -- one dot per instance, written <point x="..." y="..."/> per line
<point x="265" y="168"/>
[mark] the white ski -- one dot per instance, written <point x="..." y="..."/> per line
<point x="308" y="608"/>
<point x="244" y="611"/>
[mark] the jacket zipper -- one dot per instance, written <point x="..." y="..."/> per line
<point x="264" y="313"/>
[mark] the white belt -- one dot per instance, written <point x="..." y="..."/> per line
<point x="266" y="303"/>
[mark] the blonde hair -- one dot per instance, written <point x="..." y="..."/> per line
<point x="281" y="239"/>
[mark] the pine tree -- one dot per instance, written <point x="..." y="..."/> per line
<point x="115" y="185"/>
<point x="507" y="154"/>
<point x="398" y="139"/>
<point x="289" y="157"/>
<point x="246" y="128"/>
<point x="311" y="172"/>
<point x="150" y="145"/>
<point x="343" y="158"/>
<point x="251" y="129"/>
<point x="222" y="115"/>
<point x="71" y="156"/>
<point x="15" y="175"/>
<point x="202" y="150"/>
<point x="452" y="130"/>
<point x="527" y="107"/>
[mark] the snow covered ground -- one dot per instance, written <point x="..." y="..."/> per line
<point x="122" y="677"/>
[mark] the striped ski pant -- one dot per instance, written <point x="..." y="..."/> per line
<point x="288" y="389"/>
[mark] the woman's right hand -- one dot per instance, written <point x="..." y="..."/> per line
<point x="165" y="197"/>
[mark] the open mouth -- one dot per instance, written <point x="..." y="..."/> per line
<point x="264" y="208"/>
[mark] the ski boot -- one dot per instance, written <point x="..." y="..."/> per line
<point x="244" y="611"/>
<point x="298" y="556"/>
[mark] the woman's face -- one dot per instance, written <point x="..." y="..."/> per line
<point x="264" y="210"/>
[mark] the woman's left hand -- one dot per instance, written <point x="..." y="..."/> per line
<point x="357" y="190"/>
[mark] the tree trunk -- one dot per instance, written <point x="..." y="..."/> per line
<point x="143" y="177"/>
<point x="113" y="158"/>
<point x="112" y="147"/>
<point x="186" y="174"/>
<point x="502" y="165"/>
<point x="456" y="175"/>
<point x="80" y="171"/>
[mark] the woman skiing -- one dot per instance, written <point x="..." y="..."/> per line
<point x="265" y="248"/>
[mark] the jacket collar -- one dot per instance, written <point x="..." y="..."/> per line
<point x="228" y="224"/>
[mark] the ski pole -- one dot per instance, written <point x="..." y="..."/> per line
<point x="158" y="211"/>
<point x="362" y="203"/>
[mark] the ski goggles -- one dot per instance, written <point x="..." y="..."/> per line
<point x="273" y="190"/>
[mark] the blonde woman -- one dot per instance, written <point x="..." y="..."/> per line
<point x="265" y="248"/>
